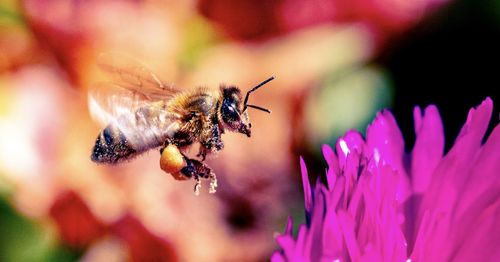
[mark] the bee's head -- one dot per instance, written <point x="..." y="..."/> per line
<point x="231" y="111"/>
<point x="234" y="113"/>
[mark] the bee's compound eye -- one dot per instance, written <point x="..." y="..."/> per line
<point x="250" y="125"/>
<point x="229" y="113"/>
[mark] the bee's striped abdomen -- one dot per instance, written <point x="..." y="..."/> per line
<point x="111" y="146"/>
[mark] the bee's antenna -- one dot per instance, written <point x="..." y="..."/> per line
<point x="253" y="89"/>
<point x="260" y="108"/>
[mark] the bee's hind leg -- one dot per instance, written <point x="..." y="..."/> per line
<point x="197" y="186"/>
<point x="213" y="184"/>
<point x="165" y="144"/>
<point x="196" y="169"/>
<point x="181" y="167"/>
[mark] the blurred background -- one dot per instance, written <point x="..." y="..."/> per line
<point x="337" y="63"/>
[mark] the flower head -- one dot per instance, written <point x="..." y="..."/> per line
<point x="381" y="204"/>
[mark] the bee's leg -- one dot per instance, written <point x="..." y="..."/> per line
<point x="216" y="138"/>
<point x="203" y="153"/>
<point x="186" y="168"/>
<point x="197" y="170"/>
<point x="197" y="186"/>
<point x="211" y="142"/>
<point x="165" y="144"/>
<point x="213" y="184"/>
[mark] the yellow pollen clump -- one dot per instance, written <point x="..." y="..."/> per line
<point x="172" y="162"/>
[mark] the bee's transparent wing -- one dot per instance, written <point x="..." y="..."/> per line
<point x="107" y="102"/>
<point x="130" y="74"/>
<point x="133" y="102"/>
<point x="145" y="124"/>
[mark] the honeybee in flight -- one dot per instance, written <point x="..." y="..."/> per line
<point x="140" y="113"/>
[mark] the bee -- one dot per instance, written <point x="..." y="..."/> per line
<point x="140" y="113"/>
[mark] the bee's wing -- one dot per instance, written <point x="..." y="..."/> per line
<point x="133" y="103"/>
<point x="107" y="102"/>
<point x="144" y="123"/>
<point x="132" y="75"/>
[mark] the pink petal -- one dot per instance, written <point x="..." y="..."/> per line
<point x="354" y="141"/>
<point x="476" y="119"/>
<point x="384" y="136"/>
<point x="313" y="250"/>
<point x="288" y="244"/>
<point x="483" y="175"/>
<point x="300" y="253"/>
<point x="329" y="155"/>
<point x="289" y="226"/>
<point x="347" y="225"/>
<point x="428" y="149"/>
<point x="450" y="176"/>
<point x="277" y="257"/>
<point x="331" y="178"/>
<point x="432" y="243"/>
<point x="308" y="200"/>
<point x="475" y="228"/>
<point x="452" y="173"/>
<point x="483" y="239"/>
<point x="417" y="254"/>
<point x="342" y="151"/>
<point x="332" y="235"/>
<point x="351" y="171"/>
<point x="417" y="117"/>
<point x="333" y="166"/>
<point x="336" y="193"/>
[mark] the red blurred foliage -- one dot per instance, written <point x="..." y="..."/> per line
<point x="244" y="19"/>
<point x="77" y="226"/>
<point x="261" y="19"/>
<point x="58" y="26"/>
<point x="142" y="244"/>
<point x="296" y="14"/>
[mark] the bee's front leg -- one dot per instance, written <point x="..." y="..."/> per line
<point x="217" y="137"/>
<point x="211" y="142"/>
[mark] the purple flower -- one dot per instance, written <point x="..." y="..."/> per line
<point x="381" y="204"/>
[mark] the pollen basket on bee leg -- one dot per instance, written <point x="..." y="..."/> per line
<point x="172" y="161"/>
